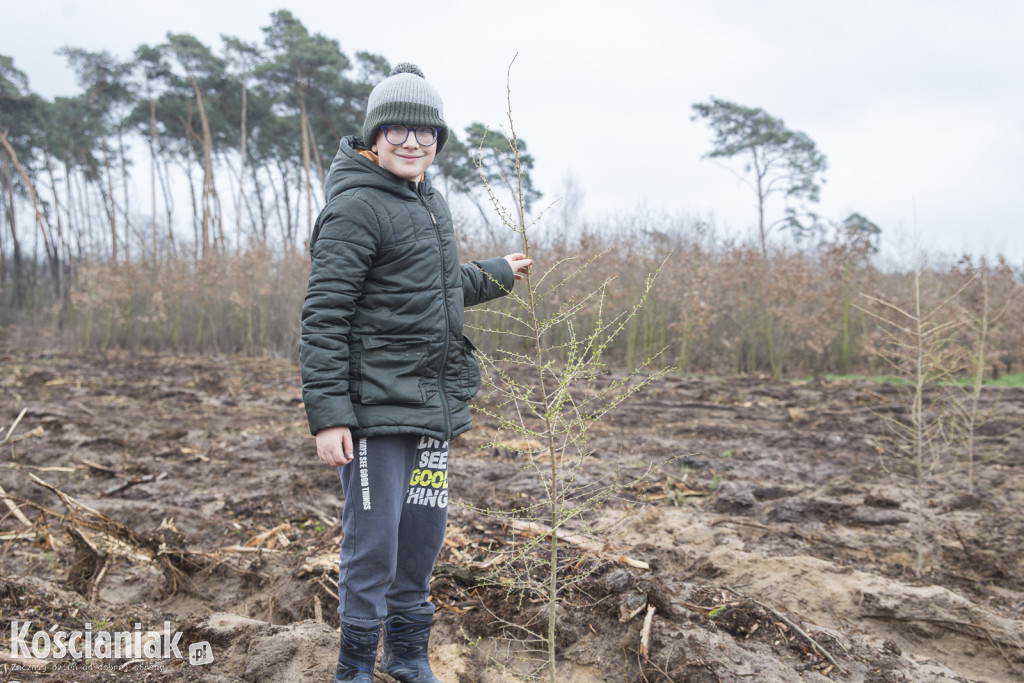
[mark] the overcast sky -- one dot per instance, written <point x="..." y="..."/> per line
<point x="919" y="106"/>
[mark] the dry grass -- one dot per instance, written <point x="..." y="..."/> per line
<point x="719" y="306"/>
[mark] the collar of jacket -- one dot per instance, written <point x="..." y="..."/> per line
<point x="352" y="168"/>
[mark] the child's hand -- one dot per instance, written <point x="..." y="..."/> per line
<point x="520" y="265"/>
<point x="334" y="446"/>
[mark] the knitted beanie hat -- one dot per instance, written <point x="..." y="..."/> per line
<point x="404" y="98"/>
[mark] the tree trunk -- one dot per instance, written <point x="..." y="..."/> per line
<point x="18" y="264"/>
<point x="83" y="226"/>
<point x="3" y="250"/>
<point x="298" y="220"/>
<point x="60" y="266"/>
<point x="760" y="204"/>
<point x="259" y="200"/>
<point x="152" y="175"/>
<point x="59" y="241"/>
<point x="241" y="175"/>
<point x="48" y="246"/>
<point x="7" y="200"/>
<point x="68" y="207"/>
<point x="126" y="213"/>
<point x="315" y="152"/>
<point x="217" y="217"/>
<point x="197" y="242"/>
<point x="208" y="184"/>
<point x="112" y="210"/>
<point x="305" y="164"/>
<point x="88" y="239"/>
<point x="165" y="188"/>
<point x="286" y="219"/>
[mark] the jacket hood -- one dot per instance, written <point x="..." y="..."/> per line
<point x="352" y="169"/>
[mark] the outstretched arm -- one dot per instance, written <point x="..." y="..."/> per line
<point x="485" y="280"/>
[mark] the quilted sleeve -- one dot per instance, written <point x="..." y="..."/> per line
<point x="486" y="280"/>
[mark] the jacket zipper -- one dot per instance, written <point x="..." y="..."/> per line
<point x="447" y="320"/>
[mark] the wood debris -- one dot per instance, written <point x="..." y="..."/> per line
<point x="13" y="507"/>
<point x="602" y="550"/>
<point x="10" y="438"/>
<point x="271" y="537"/>
<point x="645" y="633"/>
<point x="99" y="539"/>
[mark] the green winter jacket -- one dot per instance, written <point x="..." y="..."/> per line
<point x="382" y="349"/>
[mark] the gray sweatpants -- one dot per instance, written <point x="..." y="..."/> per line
<point x="396" y="509"/>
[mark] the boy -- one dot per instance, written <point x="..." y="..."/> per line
<point x="386" y="370"/>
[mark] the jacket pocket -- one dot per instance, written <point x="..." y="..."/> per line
<point x="393" y="369"/>
<point x="469" y="372"/>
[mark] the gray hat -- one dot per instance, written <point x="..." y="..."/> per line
<point x="404" y="98"/>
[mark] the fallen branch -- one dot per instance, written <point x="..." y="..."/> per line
<point x="98" y="467"/>
<point x="37" y="468"/>
<point x="581" y="542"/>
<point x="13" y="426"/>
<point x="789" y="622"/>
<point x="330" y="591"/>
<point x="245" y="550"/>
<point x="117" y="539"/>
<point x="9" y="438"/>
<point x="269" y="537"/>
<point x="105" y="544"/>
<point x="645" y="633"/>
<point x="83" y="408"/>
<point x="70" y="503"/>
<point x="13" y="507"/>
<point x="742" y="522"/>
<point x="128" y="483"/>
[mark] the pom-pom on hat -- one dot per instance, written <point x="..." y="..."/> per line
<point x="404" y="98"/>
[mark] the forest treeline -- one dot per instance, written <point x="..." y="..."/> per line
<point x="234" y="143"/>
<point x="242" y="136"/>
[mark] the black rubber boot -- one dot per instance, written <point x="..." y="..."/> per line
<point x="405" y="648"/>
<point x="358" y="654"/>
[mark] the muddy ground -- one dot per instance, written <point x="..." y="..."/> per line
<point x="779" y="532"/>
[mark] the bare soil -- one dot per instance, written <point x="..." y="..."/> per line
<point x="779" y="527"/>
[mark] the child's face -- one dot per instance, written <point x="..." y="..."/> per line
<point x="408" y="160"/>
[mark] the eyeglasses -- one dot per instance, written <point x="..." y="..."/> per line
<point x="397" y="135"/>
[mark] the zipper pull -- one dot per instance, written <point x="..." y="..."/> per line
<point x="423" y="200"/>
